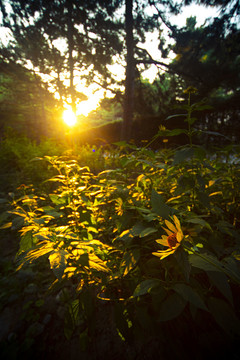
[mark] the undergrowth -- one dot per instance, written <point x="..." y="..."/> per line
<point x="154" y="236"/>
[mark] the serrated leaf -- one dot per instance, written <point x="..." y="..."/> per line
<point x="57" y="200"/>
<point x="96" y="263"/>
<point x="182" y="155"/>
<point x="129" y="261"/>
<point x="172" y="307"/>
<point x="42" y="248"/>
<point x="190" y="295"/>
<point x="26" y="242"/>
<point x="58" y="262"/>
<point x="145" y="287"/>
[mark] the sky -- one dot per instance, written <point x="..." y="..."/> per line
<point x="201" y="13"/>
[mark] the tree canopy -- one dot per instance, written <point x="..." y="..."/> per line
<point x="65" y="42"/>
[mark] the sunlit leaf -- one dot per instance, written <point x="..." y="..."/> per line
<point x="129" y="261"/>
<point x="57" y="200"/>
<point x="96" y="263"/>
<point x="58" y="262"/>
<point x="26" y="242"/>
<point x="41" y="249"/>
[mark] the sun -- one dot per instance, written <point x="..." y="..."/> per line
<point x="69" y="117"/>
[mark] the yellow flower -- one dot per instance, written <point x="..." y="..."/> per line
<point x="172" y="240"/>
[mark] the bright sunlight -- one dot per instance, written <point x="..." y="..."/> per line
<point x="69" y="117"/>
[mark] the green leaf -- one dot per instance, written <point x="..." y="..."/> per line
<point x="182" y="155"/>
<point x="203" y="198"/>
<point x="173" y="132"/>
<point x="159" y="206"/>
<point x="206" y="262"/>
<point x="96" y="263"/>
<point x="42" y="248"/>
<point x="191" y="120"/>
<point x="6" y="226"/>
<point x="172" y="307"/>
<point x="190" y="295"/>
<point x="220" y="280"/>
<point x="58" y="262"/>
<point x="141" y="230"/>
<point x="49" y="210"/>
<point x="199" y="221"/>
<point x="145" y="287"/>
<point x="129" y="261"/>
<point x="200" y="153"/>
<point x="224" y="316"/>
<point x="26" y="242"/>
<point x="57" y="200"/>
<point x="232" y="268"/>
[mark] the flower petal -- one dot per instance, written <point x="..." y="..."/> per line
<point x="170" y="226"/>
<point x="163" y="241"/>
<point x="179" y="236"/>
<point x="163" y="254"/>
<point x="168" y="231"/>
<point x="176" y="222"/>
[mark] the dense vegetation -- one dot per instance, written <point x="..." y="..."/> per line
<point x="120" y="237"/>
<point x="122" y="249"/>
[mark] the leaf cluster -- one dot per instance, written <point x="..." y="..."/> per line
<point x="98" y="232"/>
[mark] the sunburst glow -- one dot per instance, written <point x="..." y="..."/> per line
<point x="69" y="117"/>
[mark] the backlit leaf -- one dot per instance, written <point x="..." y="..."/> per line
<point x="96" y="263"/>
<point x="26" y="242"/>
<point x="130" y="260"/>
<point x="58" y="262"/>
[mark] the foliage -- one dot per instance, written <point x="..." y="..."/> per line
<point x="103" y="235"/>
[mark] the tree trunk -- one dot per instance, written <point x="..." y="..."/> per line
<point x="70" y="54"/>
<point x="130" y="70"/>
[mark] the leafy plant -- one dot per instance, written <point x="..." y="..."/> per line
<point x="155" y="236"/>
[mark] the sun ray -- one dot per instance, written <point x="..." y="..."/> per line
<point x="69" y="117"/>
